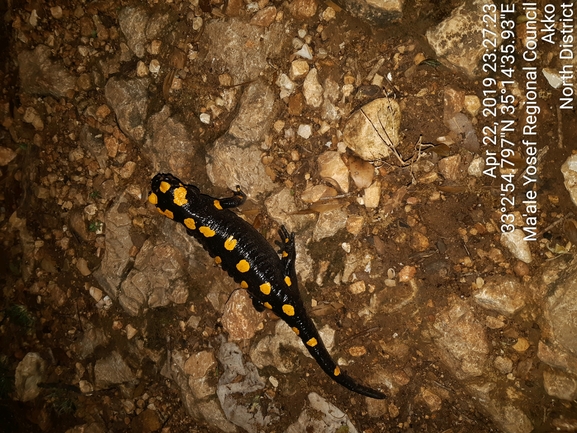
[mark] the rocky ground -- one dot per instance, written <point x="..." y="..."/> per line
<point x="358" y="136"/>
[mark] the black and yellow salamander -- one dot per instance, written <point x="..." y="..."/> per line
<point x="248" y="258"/>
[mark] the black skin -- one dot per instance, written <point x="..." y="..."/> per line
<point x="251" y="262"/>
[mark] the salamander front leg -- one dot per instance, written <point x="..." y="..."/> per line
<point x="236" y="200"/>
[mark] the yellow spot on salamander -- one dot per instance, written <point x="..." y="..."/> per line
<point x="284" y="254"/>
<point x="296" y="331"/>
<point x="312" y="342"/>
<point x="164" y="186"/>
<point x="166" y="213"/>
<point x="243" y="266"/>
<point x="230" y="243"/>
<point x="180" y="196"/>
<point x="337" y="371"/>
<point x="153" y="198"/>
<point x="217" y="204"/>
<point x="265" y="288"/>
<point x="288" y="310"/>
<point x="207" y="231"/>
<point x="267" y="305"/>
<point x="217" y="260"/>
<point x="243" y="285"/>
<point x="189" y="222"/>
<point x="288" y="281"/>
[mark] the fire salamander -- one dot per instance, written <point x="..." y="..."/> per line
<point x="248" y="258"/>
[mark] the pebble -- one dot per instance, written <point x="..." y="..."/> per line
<point x="205" y="118"/>
<point x="521" y="345"/>
<point x="432" y="400"/>
<point x="96" y="293"/>
<point x="127" y="170"/>
<point x="305" y="131"/>
<point x="357" y="351"/>
<point x="305" y="52"/>
<point x="357" y="287"/>
<point x="503" y="365"/>
<point x="372" y="195"/>
<point x="407" y="274"/>
<point x="6" y="155"/>
<point x="56" y="12"/>
<point x="82" y="266"/>
<point x="299" y="68"/>
<point x="514" y="241"/>
<point x="332" y="167"/>
<point x="131" y="331"/>
<point x="31" y="116"/>
<point x="287" y="86"/>
<point x="312" y="89"/>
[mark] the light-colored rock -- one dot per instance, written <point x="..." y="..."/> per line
<point x="6" y="155"/>
<point x="333" y="169"/>
<point x="515" y="242"/>
<point x="239" y="318"/>
<point x="569" y="170"/>
<point x="503" y="294"/>
<point x="371" y="131"/>
<point x="329" y="223"/>
<point x="372" y="195"/>
<point x="255" y="114"/>
<point x="560" y="385"/>
<point x="322" y="416"/>
<point x="458" y="39"/>
<point x="29" y="372"/>
<point x="312" y="89"/>
<point x="461" y="339"/>
<point x="299" y="68"/>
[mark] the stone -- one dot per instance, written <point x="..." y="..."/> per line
<point x="461" y="340"/>
<point x="116" y="258"/>
<point x="560" y="385"/>
<point x="229" y="164"/>
<point x="515" y="242"/>
<point x="312" y="89"/>
<point x="322" y="416"/>
<point x="299" y="68"/>
<point x="239" y="319"/>
<point x="129" y="101"/>
<point x="569" y="170"/>
<point x="378" y="13"/>
<point x="111" y="370"/>
<point x="333" y="169"/>
<point x="371" y="131"/>
<point x="42" y="76"/>
<point x="329" y="223"/>
<point x="255" y="114"/>
<point x="133" y="22"/>
<point x="432" y="400"/>
<point x="6" y="156"/>
<point x="170" y="145"/>
<point x="560" y="310"/>
<point x="264" y="17"/>
<point x="372" y="195"/>
<point x="29" y="373"/>
<point x="258" y="45"/>
<point x="303" y="9"/>
<point x="503" y="294"/>
<point x="458" y="39"/>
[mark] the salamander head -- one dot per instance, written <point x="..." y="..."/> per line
<point x="168" y="191"/>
